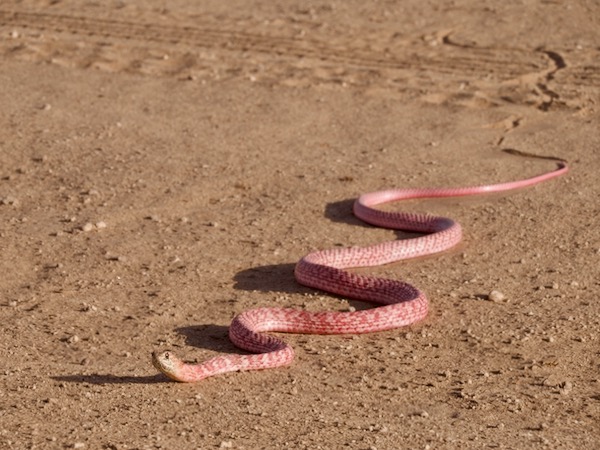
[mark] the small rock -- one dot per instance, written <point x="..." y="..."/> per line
<point x="101" y="224"/>
<point x="496" y="296"/>
<point x="552" y="381"/>
<point x="73" y="339"/>
<point x="226" y="444"/>
<point x="78" y="445"/>
<point x="87" y="227"/>
<point x="9" y="200"/>
<point x="566" y="387"/>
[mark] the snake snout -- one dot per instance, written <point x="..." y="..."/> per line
<point x="161" y="359"/>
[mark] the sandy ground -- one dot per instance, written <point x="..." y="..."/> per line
<point x="163" y="165"/>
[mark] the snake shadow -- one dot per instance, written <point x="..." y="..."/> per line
<point x="341" y="212"/>
<point x="280" y="277"/>
<point x="208" y="337"/>
<point x="104" y="379"/>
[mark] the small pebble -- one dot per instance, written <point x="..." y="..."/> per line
<point x="87" y="227"/>
<point x="9" y="200"/>
<point x="226" y="444"/>
<point x="101" y="225"/>
<point x="552" y="381"/>
<point x="496" y="296"/>
<point x="73" y="339"/>
<point x="566" y="387"/>
<point x="78" y="445"/>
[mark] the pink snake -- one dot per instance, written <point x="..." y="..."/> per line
<point x="403" y="303"/>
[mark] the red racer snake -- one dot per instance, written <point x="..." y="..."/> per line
<point x="402" y="303"/>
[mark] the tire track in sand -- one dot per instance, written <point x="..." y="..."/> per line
<point x="227" y="50"/>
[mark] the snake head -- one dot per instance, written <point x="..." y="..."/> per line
<point x="168" y="363"/>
